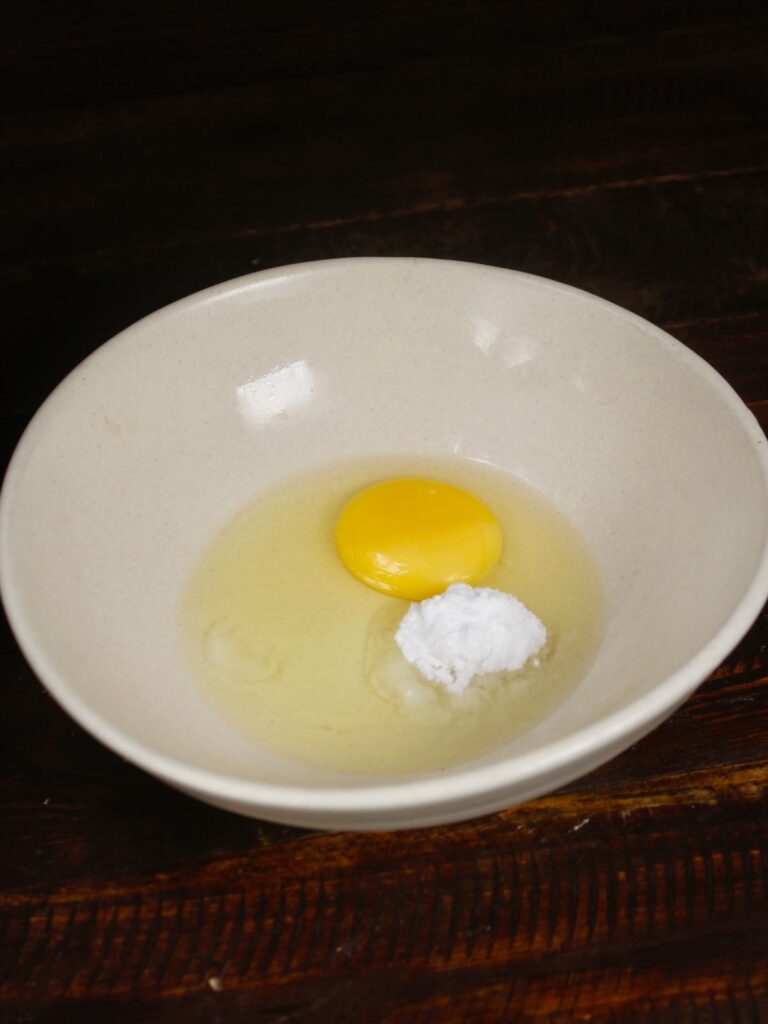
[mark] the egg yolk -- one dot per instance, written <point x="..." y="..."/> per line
<point x="413" y="538"/>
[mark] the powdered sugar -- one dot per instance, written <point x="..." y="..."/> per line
<point x="468" y="632"/>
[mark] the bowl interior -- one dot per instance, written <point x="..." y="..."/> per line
<point x="160" y="436"/>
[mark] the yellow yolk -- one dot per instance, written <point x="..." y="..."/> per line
<point x="412" y="538"/>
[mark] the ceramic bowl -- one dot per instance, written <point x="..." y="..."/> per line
<point x="152" y="443"/>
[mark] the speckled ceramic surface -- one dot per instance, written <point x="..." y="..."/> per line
<point x="155" y="440"/>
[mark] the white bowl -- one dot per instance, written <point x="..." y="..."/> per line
<point x="154" y="441"/>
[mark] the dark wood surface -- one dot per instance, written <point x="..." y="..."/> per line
<point x="150" y="149"/>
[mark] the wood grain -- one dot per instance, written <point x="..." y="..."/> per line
<point x="148" y="150"/>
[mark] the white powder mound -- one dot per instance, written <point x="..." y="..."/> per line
<point x="468" y="632"/>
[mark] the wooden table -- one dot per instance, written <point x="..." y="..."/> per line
<point x="150" y="149"/>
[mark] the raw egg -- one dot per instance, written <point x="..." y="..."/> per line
<point x="413" y="538"/>
<point x="300" y="658"/>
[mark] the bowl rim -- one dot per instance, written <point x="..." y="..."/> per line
<point x="434" y="790"/>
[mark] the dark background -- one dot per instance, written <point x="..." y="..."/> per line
<point x="151" y="149"/>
